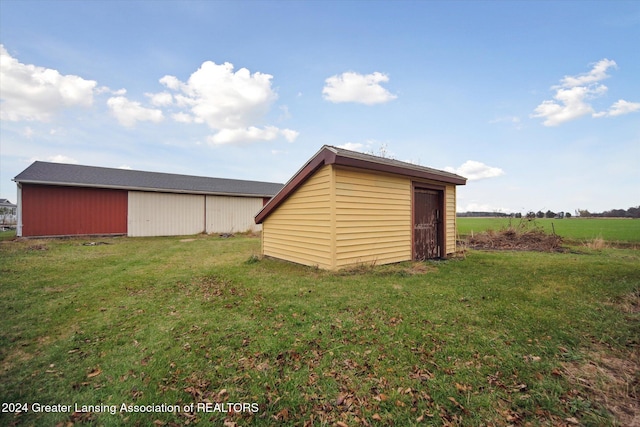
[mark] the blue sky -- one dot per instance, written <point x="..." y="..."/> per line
<point x="537" y="103"/>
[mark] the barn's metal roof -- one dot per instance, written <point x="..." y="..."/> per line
<point x="329" y="155"/>
<point x="7" y="204"/>
<point x="47" y="173"/>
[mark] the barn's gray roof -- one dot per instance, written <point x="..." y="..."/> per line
<point x="98" y="177"/>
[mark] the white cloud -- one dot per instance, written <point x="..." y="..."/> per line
<point x="232" y="103"/>
<point x="58" y="158"/>
<point x="161" y="99"/>
<point x="571" y="105"/>
<point x="573" y="95"/>
<point x="172" y="82"/>
<point x="289" y="134"/>
<point x="597" y="73"/>
<point x="619" y="108"/>
<point x="284" y="113"/>
<point x="224" y="99"/>
<point x="182" y="118"/>
<point x="474" y="170"/>
<point x="482" y="207"/>
<point x="28" y="132"/>
<point x="33" y="93"/>
<point x="128" y="113"/>
<point x="353" y="146"/>
<point x="104" y="89"/>
<point x="369" y="147"/>
<point x="359" y="88"/>
<point x="251" y="134"/>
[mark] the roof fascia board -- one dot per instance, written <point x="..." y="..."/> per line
<point x="146" y="189"/>
<point x="323" y="157"/>
<point x="397" y="170"/>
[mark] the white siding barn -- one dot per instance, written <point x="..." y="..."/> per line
<point x="227" y="214"/>
<point x="165" y="214"/>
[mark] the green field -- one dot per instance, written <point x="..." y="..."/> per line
<point x="494" y="338"/>
<point x="581" y="229"/>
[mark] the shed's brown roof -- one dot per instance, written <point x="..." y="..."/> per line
<point x="329" y="155"/>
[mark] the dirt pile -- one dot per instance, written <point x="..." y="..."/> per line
<point x="516" y="239"/>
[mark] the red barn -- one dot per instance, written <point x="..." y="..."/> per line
<point x="63" y="200"/>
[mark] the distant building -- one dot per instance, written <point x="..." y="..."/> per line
<point x="8" y="212"/>
<point x="64" y="200"/>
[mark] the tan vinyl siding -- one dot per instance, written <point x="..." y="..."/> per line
<point x="450" y="215"/>
<point x="344" y="215"/>
<point x="373" y="217"/>
<point x="227" y="214"/>
<point x="163" y="214"/>
<point x="300" y="229"/>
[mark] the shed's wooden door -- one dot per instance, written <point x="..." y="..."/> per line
<point x="427" y="224"/>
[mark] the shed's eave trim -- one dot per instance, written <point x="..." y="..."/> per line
<point x="368" y="161"/>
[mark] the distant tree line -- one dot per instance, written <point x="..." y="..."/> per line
<point x="633" y="212"/>
<point x="530" y="214"/>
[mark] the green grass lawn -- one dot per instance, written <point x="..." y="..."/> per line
<point x="7" y="235"/>
<point x="485" y="339"/>
<point x="580" y="229"/>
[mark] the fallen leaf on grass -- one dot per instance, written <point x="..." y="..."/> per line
<point x="421" y="374"/>
<point x="283" y="415"/>
<point x="463" y="387"/>
<point x="341" y="398"/>
<point x="381" y="397"/>
<point x="94" y="373"/>
<point x="530" y="358"/>
<point x="77" y="386"/>
<point x="81" y="417"/>
<point x="519" y="388"/>
<point x="458" y="405"/>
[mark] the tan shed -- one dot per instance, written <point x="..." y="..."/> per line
<point x="344" y="208"/>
